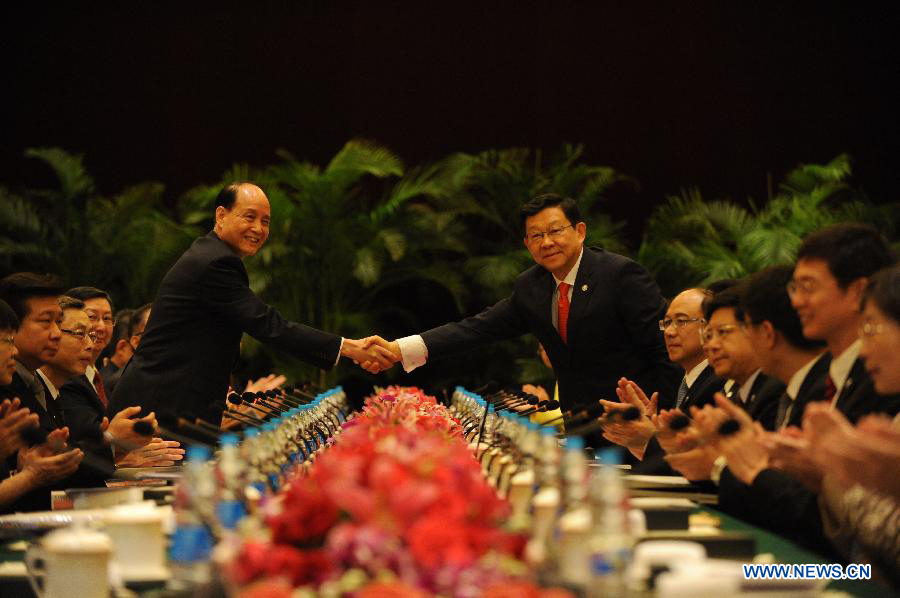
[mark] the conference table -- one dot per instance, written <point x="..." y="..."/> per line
<point x="747" y="540"/>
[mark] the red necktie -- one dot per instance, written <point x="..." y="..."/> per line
<point x="563" y="310"/>
<point x="98" y="384"/>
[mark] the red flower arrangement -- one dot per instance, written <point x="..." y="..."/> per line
<point x="397" y="494"/>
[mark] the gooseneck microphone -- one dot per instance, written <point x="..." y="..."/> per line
<point x="679" y="422"/>
<point x="541" y="407"/>
<point x="146" y="429"/>
<point x="628" y="414"/>
<point x="237" y="415"/>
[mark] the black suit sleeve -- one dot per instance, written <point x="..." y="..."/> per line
<point x="641" y="306"/>
<point x="225" y="292"/>
<point x="500" y="321"/>
<point x="778" y="502"/>
<point x="81" y="414"/>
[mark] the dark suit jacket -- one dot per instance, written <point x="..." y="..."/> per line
<point x="858" y="397"/>
<point x="613" y="328"/>
<point x="779" y="502"/>
<point x="98" y="463"/>
<point x="762" y="403"/>
<point x="700" y="393"/>
<point x="203" y="306"/>
<point x="81" y="407"/>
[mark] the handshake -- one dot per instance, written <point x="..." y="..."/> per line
<point x="373" y="353"/>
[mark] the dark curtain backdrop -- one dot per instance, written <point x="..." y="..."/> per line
<point x="676" y="94"/>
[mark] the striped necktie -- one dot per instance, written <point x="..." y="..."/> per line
<point x="682" y="393"/>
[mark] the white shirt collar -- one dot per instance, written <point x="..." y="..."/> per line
<point x="691" y="377"/>
<point x="796" y="381"/>
<point x="573" y="273"/>
<point x="90" y="372"/>
<point x="53" y="391"/>
<point x="842" y="364"/>
<point x="744" y="390"/>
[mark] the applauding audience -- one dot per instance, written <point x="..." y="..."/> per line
<point x="860" y="502"/>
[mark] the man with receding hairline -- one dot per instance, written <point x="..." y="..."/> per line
<point x="203" y="307"/>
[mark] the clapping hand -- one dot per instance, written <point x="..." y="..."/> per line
<point x="158" y="453"/>
<point x="635" y="434"/>
<point x="121" y="428"/>
<point x="13" y="420"/>
<point x="49" y="462"/>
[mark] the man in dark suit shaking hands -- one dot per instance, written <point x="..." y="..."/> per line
<point x="204" y="305"/>
<point x="596" y="313"/>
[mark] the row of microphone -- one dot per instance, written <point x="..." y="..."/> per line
<point x="582" y="420"/>
<point x="191" y="428"/>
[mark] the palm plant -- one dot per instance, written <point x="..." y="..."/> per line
<point x="689" y="241"/>
<point x="489" y="189"/>
<point x="341" y="236"/>
<point x="89" y="239"/>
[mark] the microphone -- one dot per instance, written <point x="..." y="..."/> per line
<point x="220" y="407"/>
<point x="541" y="407"/>
<point x="247" y="398"/>
<point x="298" y="393"/>
<point x="213" y="429"/>
<point x="146" y="429"/>
<point x="282" y="399"/>
<point x="171" y="420"/>
<point x="729" y="427"/>
<point x="679" y="422"/>
<point x="489" y="388"/>
<point x="573" y="416"/>
<point x="628" y="414"/>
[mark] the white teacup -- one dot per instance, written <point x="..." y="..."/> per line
<point x="75" y="563"/>
<point x="139" y="544"/>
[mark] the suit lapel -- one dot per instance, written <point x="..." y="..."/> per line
<point x="857" y="373"/>
<point x="585" y="283"/>
<point x="544" y="301"/>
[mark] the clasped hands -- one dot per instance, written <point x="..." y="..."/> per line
<point x="373" y="354"/>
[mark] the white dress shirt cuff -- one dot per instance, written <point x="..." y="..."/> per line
<point x="341" y="348"/>
<point x="413" y="352"/>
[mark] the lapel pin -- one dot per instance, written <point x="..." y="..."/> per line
<point x="584" y="287"/>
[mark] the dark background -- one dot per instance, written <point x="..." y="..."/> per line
<point x="711" y="94"/>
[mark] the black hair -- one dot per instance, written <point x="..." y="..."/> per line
<point x="717" y="286"/>
<point x="884" y="290"/>
<point x="17" y="289"/>
<point x="122" y="329"/>
<point x="851" y="251"/>
<point x="8" y="318"/>
<point x="69" y="302"/>
<point x="764" y="298"/>
<point x="85" y="293"/>
<point x="136" y="316"/>
<point x="727" y="298"/>
<point x="550" y="200"/>
<point x="228" y="195"/>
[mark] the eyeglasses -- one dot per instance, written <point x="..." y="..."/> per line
<point x="805" y="286"/>
<point x="679" y="322"/>
<point x="9" y="340"/>
<point x="708" y="333"/>
<point x="868" y="330"/>
<point x="81" y="334"/>
<point x="553" y="233"/>
<point x="94" y="317"/>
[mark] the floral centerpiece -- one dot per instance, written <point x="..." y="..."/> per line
<point x="396" y="506"/>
